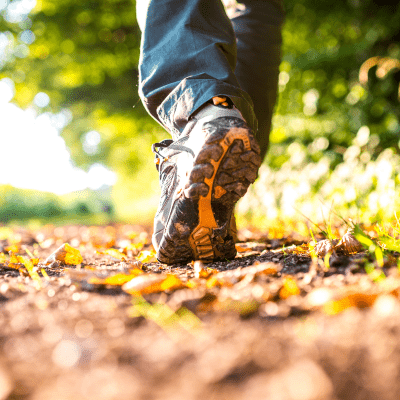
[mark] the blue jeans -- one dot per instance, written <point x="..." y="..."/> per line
<point x="191" y="51"/>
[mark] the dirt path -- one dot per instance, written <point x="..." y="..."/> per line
<point x="271" y="324"/>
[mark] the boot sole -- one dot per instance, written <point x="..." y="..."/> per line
<point x="198" y="227"/>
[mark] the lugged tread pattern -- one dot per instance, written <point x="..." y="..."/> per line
<point x="234" y="169"/>
<point x="237" y="172"/>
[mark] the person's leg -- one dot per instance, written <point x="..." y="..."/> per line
<point x="257" y="25"/>
<point x="188" y="56"/>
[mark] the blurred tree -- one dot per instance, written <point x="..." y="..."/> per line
<point x="325" y="44"/>
<point x="84" y="56"/>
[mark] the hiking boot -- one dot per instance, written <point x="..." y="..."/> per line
<point x="202" y="175"/>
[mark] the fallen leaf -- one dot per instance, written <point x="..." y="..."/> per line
<point x="231" y="277"/>
<point x="3" y="258"/>
<point x="323" y="247"/>
<point x="17" y="261"/>
<point x="289" y="288"/>
<point x="302" y="249"/>
<point x="65" y="254"/>
<point x="356" y="299"/>
<point x="113" y="253"/>
<point x="146" y="256"/>
<point x="14" y="248"/>
<point x="251" y="246"/>
<point x="152" y="283"/>
<point x="116" y="279"/>
<point x="349" y="244"/>
<point x="241" y="249"/>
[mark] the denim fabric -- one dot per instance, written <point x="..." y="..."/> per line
<point x="192" y="50"/>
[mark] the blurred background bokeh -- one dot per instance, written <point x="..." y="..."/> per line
<point x="75" y="140"/>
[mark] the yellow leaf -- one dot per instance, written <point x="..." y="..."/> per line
<point x="14" y="248"/>
<point x="15" y="261"/>
<point x="117" y="279"/>
<point x="73" y="256"/>
<point x="146" y="256"/>
<point x="113" y="253"/>
<point x="171" y="282"/>
<point x="289" y="288"/>
<point x="65" y="254"/>
<point x="152" y="283"/>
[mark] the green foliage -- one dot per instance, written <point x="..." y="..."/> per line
<point x="23" y="205"/>
<point x="321" y="97"/>
<point x="85" y="57"/>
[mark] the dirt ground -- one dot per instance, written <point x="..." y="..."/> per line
<point x="272" y="324"/>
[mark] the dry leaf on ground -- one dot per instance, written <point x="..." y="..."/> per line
<point x="17" y="261"/>
<point x="146" y="256"/>
<point x="289" y="288"/>
<point x="66" y="254"/>
<point x="113" y="253"/>
<point x="116" y="279"/>
<point x="231" y="277"/>
<point x="153" y="283"/>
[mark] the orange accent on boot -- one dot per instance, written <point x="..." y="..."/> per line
<point x="219" y="191"/>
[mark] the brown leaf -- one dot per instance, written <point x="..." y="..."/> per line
<point x="323" y="247"/>
<point x="349" y="244"/>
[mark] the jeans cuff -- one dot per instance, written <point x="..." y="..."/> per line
<point x="192" y="93"/>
